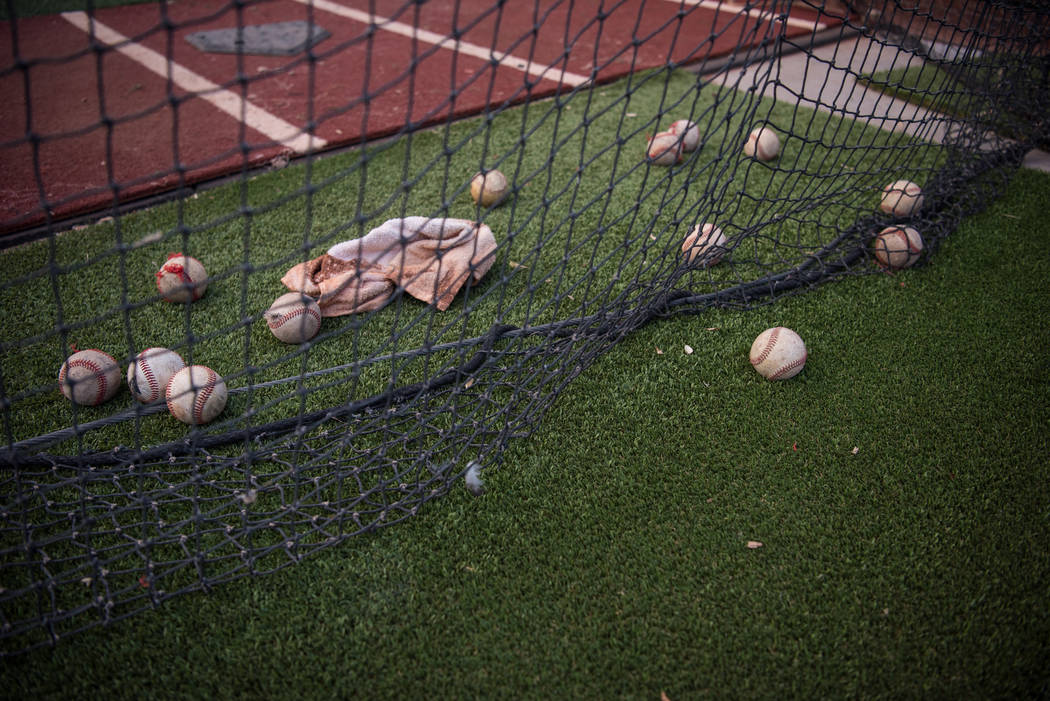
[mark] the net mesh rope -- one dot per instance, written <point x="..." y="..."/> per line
<point x="109" y="511"/>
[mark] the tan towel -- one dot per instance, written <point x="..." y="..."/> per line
<point x="431" y="259"/>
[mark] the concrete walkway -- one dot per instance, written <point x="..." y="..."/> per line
<point x="826" y="79"/>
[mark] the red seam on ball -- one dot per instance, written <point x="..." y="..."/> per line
<point x="147" y="370"/>
<point x="100" y="377"/>
<point x="770" y="343"/>
<point x="790" y="366"/>
<point x="911" y="247"/>
<point x="167" y="396"/>
<point x="202" y="398"/>
<point x="279" y="321"/>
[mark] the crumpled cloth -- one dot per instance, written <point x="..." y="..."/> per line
<point x="431" y="259"/>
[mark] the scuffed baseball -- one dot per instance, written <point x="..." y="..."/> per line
<point x="687" y="132"/>
<point x="89" y="377"/>
<point x="150" y="371"/>
<point x="901" y="198"/>
<point x="705" y="245"/>
<point x="897" y="247"/>
<point x="182" y="279"/>
<point x="488" y="188"/>
<point x="293" y="317"/>
<point x="665" y="149"/>
<point x="762" y="143"/>
<point x="195" y="395"/>
<point x="778" y="353"/>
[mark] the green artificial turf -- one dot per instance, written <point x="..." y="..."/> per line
<point x="899" y="487"/>
<point x="589" y="224"/>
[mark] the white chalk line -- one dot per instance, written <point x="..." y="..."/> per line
<point x="270" y="125"/>
<point x="445" y="42"/>
<point x="753" y="13"/>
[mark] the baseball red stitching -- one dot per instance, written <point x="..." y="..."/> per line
<point x="100" y="377"/>
<point x="147" y="370"/>
<point x="280" y="321"/>
<point x="202" y="397"/>
<point x="902" y="234"/>
<point x="911" y="247"/>
<point x="772" y="341"/>
<point x="790" y="366"/>
<point x="167" y="395"/>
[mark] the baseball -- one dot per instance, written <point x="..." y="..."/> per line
<point x="665" y="149"/>
<point x="705" y="244"/>
<point x="195" y="395"/>
<point x="897" y="247"/>
<point x="778" y="353"/>
<point x="148" y="375"/>
<point x="687" y="132"/>
<point x="89" y="377"/>
<point x="901" y="198"/>
<point x="763" y="144"/>
<point x="293" y="317"/>
<point x="182" y="279"/>
<point x="488" y="188"/>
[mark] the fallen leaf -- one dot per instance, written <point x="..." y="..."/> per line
<point x="754" y="544"/>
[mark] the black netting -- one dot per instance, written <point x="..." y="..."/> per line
<point x="127" y="141"/>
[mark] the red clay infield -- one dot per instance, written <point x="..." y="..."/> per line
<point x="85" y="127"/>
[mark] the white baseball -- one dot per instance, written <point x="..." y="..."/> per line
<point x="293" y="317"/>
<point x="705" y="244"/>
<point x="89" y="377"/>
<point x="901" y="198"/>
<point x="688" y="132"/>
<point x="778" y="353"/>
<point x="898" y="247"/>
<point x="488" y="188"/>
<point x="148" y="375"/>
<point x="665" y="149"/>
<point x="195" y="395"/>
<point x="762" y="143"/>
<point x="182" y="279"/>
